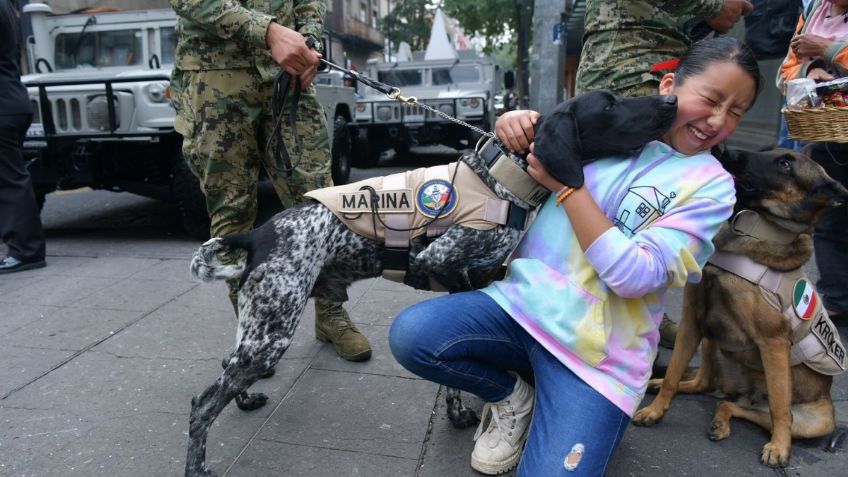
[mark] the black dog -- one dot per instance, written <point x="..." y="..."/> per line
<point x="308" y="251"/>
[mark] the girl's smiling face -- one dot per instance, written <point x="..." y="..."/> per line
<point x="709" y="106"/>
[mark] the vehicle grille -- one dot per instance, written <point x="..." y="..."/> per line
<point x="79" y="112"/>
<point x="414" y="112"/>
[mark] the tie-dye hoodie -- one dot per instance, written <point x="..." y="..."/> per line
<point x="598" y="312"/>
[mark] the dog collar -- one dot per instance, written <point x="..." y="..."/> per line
<point x="747" y="222"/>
<point x="511" y="175"/>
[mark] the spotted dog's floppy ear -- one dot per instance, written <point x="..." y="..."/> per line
<point x="557" y="145"/>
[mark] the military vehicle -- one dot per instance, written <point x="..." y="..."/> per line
<point x="464" y="88"/>
<point x="103" y="119"/>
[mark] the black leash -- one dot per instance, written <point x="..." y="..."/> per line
<point x="282" y="82"/>
<point x="282" y="160"/>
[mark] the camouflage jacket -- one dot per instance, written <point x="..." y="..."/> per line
<point x="226" y="34"/>
<point x="623" y="39"/>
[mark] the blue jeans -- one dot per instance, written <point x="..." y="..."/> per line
<point x="467" y="341"/>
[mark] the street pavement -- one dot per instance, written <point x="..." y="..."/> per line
<point x="103" y="350"/>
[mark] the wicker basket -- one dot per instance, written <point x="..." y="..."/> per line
<point x="817" y="124"/>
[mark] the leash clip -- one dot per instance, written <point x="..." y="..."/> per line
<point x="395" y="94"/>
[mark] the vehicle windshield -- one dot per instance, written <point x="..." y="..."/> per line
<point x="168" y="38"/>
<point x="99" y="48"/>
<point x="400" y="78"/>
<point x="456" y="75"/>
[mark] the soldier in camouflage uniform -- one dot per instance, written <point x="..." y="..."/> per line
<point x="228" y="54"/>
<point x="623" y="39"/>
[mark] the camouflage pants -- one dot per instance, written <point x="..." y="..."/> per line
<point x="225" y="119"/>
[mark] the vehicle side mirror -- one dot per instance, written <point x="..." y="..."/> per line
<point x="509" y="79"/>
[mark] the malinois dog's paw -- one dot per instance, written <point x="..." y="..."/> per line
<point x="775" y="455"/>
<point x="648" y="416"/>
<point x="719" y="430"/>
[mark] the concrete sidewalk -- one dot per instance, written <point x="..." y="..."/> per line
<point x="103" y="350"/>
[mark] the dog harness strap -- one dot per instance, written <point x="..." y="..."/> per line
<point x="748" y="222"/>
<point x="439" y="227"/>
<point x="396" y="253"/>
<point x="815" y="340"/>
<point x="748" y="269"/>
<point x="517" y="180"/>
<point x="396" y="238"/>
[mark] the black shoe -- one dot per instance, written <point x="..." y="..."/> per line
<point x="10" y="264"/>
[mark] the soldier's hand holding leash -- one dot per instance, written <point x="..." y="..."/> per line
<point x="289" y="50"/>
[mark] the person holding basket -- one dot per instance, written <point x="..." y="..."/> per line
<point x="819" y="52"/>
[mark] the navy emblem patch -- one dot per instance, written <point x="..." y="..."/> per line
<point x="434" y="198"/>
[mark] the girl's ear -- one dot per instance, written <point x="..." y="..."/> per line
<point x="667" y="83"/>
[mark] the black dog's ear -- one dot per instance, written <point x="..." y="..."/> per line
<point x="719" y="150"/>
<point x="557" y="145"/>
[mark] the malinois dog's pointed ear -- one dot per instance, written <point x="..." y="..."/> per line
<point x="836" y="192"/>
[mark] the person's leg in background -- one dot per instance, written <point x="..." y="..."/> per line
<point x="830" y="240"/>
<point x="223" y="153"/>
<point x="20" y="219"/>
<point x="312" y="166"/>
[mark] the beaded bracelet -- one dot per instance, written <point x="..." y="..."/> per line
<point x="563" y="194"/>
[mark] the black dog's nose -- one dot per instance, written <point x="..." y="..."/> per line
<point x="671" y="100"/>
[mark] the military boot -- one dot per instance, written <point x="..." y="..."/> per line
<point x="333" y="324"/>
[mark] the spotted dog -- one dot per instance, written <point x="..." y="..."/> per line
<point x="311" y="250"/>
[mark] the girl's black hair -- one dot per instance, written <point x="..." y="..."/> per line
<point x="710" y="50"/>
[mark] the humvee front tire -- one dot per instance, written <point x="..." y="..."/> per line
<point x="189" y="200"/>
<point x="341" y="151"/>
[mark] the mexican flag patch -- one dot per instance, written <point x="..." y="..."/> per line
<point x="804" y="299"/>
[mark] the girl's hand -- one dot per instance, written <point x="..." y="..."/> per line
<point x="819" y="74"/>
<point x="515" y="129"/>
<point x="808" y="45"/>
<point x="537" y="171"/>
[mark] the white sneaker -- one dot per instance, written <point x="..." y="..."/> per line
<point x="498" y="449"/>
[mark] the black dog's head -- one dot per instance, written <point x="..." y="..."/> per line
<point x="782" y="185"/>
<point x="598" y="124"/>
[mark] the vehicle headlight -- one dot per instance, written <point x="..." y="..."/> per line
<point x="97" y="112"/>
<point x="363" y="111"/>
<point x="384" y="113"/>
<point x="471" y="107"/>
<point x="446" y="109"/>
<point x="157" y="92"/>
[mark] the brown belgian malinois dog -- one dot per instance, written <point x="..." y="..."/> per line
<point x="767" y="372"/>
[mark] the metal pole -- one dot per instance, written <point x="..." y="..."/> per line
<point x="547" y="60"/>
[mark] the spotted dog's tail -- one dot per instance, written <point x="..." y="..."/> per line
<point x="205" y="265"/>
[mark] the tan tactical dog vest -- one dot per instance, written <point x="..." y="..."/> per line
<point x="414" y="203"/>
<point x="416" y="196"/>
<point x="815" y="340"/>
